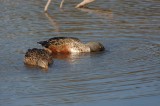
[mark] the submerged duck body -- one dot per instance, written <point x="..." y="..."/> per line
<point x="67" y="45"/>
<point x="38" y="57"/>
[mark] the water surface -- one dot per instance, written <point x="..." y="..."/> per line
<point x="127" y="73"/>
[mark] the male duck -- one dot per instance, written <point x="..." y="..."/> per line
<point x="68" y="45"/>
<point x="38" y="57"/>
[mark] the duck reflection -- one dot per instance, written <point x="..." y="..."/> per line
<point x="71" y="58"/>
<point x="75" y="58"/>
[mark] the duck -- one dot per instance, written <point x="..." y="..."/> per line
<point x="38" y="57"/>
<point x="70" y="45"/>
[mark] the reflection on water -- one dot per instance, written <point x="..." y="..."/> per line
<point x="69" y="57"/>
<point x="53" y="22"/>
<point x="98" y="12"/>
<point x="128" y="71"/>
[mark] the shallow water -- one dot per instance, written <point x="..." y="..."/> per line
<point x="127" y="73"/>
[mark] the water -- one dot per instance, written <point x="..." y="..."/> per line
<point x="127" y="73"/>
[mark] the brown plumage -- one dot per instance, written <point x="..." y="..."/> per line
<point x="38" y="57"/>
<point x="67" y="45"/>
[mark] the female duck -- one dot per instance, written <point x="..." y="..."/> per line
<point x="38" y="57"/>
<point x="68" y="45"/>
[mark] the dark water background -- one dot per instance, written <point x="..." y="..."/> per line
<point x="126" y="74"/>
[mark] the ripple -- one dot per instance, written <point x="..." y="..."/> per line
<point x="128" y="69"/>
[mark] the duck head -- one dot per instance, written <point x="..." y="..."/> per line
<point x="43" y="64"/>
<point x="95" y="46"/>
